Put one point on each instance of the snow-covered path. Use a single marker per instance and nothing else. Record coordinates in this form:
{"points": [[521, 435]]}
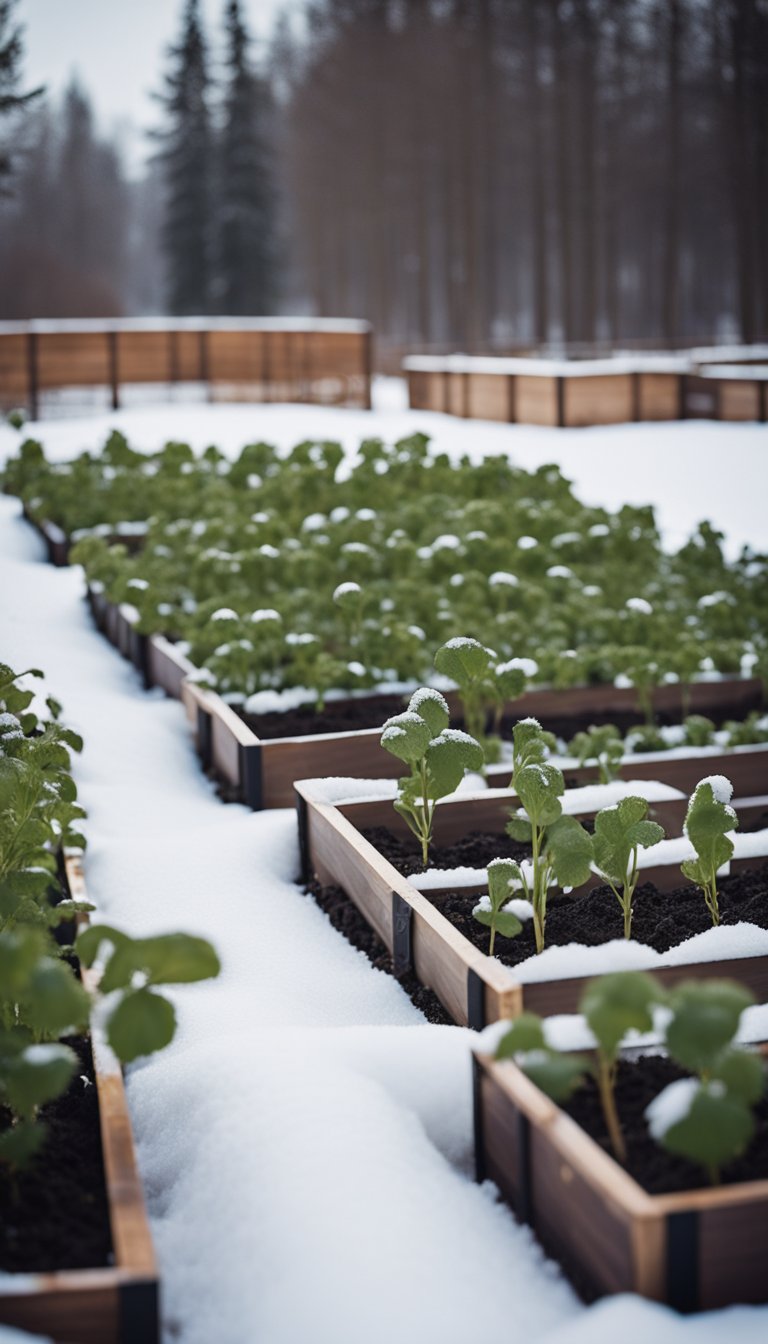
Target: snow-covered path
{"points": [[306, 1140]]}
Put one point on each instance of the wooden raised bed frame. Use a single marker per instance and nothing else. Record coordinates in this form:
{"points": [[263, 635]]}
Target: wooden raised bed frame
{"points": [[474, 988], [116, 1304], [263, 771], [745, 767], [696, 1250]]}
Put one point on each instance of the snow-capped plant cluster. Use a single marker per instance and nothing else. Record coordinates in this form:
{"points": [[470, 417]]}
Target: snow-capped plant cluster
{"points": [[706, 1117], [362, 595]]}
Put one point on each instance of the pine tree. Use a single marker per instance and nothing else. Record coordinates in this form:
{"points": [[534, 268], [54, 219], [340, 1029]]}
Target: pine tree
{"points": [[10, 99], [245, 201], [187, 159]]}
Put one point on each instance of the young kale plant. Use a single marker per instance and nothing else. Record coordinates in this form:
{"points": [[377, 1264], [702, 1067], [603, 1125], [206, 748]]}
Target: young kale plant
{"points": [[601, 744], [562, 848], [619, 832], [503, 874], [437, 756], [708, 1118], [707, 821]]}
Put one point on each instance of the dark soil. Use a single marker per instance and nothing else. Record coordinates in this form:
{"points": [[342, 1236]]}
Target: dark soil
{"points": [[346, 918], [661, 919], [660, 1172], [342, 716], [54, 1214]]}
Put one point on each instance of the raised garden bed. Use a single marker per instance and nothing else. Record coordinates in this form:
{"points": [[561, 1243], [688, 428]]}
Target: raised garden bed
{"points": [[116, 1301], [475, 989], [696, 1249], [261, 770], [746, 767]]}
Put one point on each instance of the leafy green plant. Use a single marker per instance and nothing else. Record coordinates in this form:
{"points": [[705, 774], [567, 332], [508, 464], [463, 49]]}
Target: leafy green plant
{"points": [[437, 755], [555, 1073], [708, 1118], [491, 912], [612, 1006], [751, 732], [699, 731], [707, 821], [620, 831], [141, 1021], [561, 847], [602, 744]]}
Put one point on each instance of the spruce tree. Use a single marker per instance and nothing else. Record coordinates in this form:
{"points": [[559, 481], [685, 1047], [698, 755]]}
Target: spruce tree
{"points": [[10, 99], [245, 197], [187, 160]]}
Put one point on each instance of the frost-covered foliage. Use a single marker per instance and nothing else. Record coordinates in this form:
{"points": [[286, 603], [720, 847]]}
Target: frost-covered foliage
{"points": [[707, 822], [707, 1118], [436, 755], [481, 551]]}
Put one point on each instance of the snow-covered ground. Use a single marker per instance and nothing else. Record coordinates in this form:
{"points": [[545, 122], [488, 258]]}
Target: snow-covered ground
{"points": [[306, 1140], [691, 470]]}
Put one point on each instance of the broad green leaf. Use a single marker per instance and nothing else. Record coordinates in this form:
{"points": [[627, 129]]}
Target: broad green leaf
{"points": [[557, 1075], [432, 707], [406, 736], [618, 1003], [519, 828], [504, 921], [20, 951], [743, 1073], [501, 873], [539, 786], [177, 958], [618, 831], [141, 1023], [705, 1019], [448, 756], [525, 1033], [706, 823], [510, 682], [717, 1128], [54, 1001], [37, 1075], [465, 661], [90, 940], [528, 743], [569, 850]]}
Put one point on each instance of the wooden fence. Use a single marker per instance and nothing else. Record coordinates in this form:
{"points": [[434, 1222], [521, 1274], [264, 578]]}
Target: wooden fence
{"points": [[587, 392], [250, 359]]}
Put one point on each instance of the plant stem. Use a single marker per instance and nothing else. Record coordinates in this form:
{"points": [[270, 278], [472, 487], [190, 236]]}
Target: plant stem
{"points": [[493, 940], [608, 1103]]}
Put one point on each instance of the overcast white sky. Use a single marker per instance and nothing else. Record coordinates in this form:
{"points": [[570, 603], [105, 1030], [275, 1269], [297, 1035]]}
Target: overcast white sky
{"points": [[117, 47]]}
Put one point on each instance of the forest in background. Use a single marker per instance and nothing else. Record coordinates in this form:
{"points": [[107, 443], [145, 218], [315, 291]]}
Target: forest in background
{"points": [[470, 174]]}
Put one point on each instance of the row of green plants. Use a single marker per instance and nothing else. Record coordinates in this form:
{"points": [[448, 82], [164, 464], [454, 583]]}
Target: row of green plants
{"points": [[43, 1000], [274, 570], [604, 746], [563, 852], [707, 1116]]}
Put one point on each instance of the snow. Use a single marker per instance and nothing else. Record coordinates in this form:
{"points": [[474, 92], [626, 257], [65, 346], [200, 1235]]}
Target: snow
{"points": [[593, 797], [548, 368], [724, 943], [671, 1106], [722, 788], [303, 1151]]}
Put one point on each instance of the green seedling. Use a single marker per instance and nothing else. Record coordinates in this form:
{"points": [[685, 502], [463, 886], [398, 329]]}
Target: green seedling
{"points": [[707, 821], [561, 848], [601, 744], [699, 731], [708, 1118], [468, 663], [612, 1006], [619, 832], [437, 755], [502, 874]]}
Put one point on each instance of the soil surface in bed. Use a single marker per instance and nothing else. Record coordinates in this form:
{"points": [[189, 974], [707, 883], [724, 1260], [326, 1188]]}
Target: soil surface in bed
{"points": [[661, 919], [54, 1214], [343, 716], [659, 1172]]}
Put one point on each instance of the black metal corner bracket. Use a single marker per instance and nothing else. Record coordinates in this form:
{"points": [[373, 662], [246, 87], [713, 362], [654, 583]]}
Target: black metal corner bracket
{"points": [[477, 1117], [475, 1001], [402, 929], [139, 1312], [204, 735], [302, 819], [251, 784], [683, 1260]]}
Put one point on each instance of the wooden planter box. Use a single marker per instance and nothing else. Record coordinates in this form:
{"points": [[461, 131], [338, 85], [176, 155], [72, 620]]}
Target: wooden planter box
{"points": [[474, 988], [745, 767], [697, 1250], [116, 1304]]}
